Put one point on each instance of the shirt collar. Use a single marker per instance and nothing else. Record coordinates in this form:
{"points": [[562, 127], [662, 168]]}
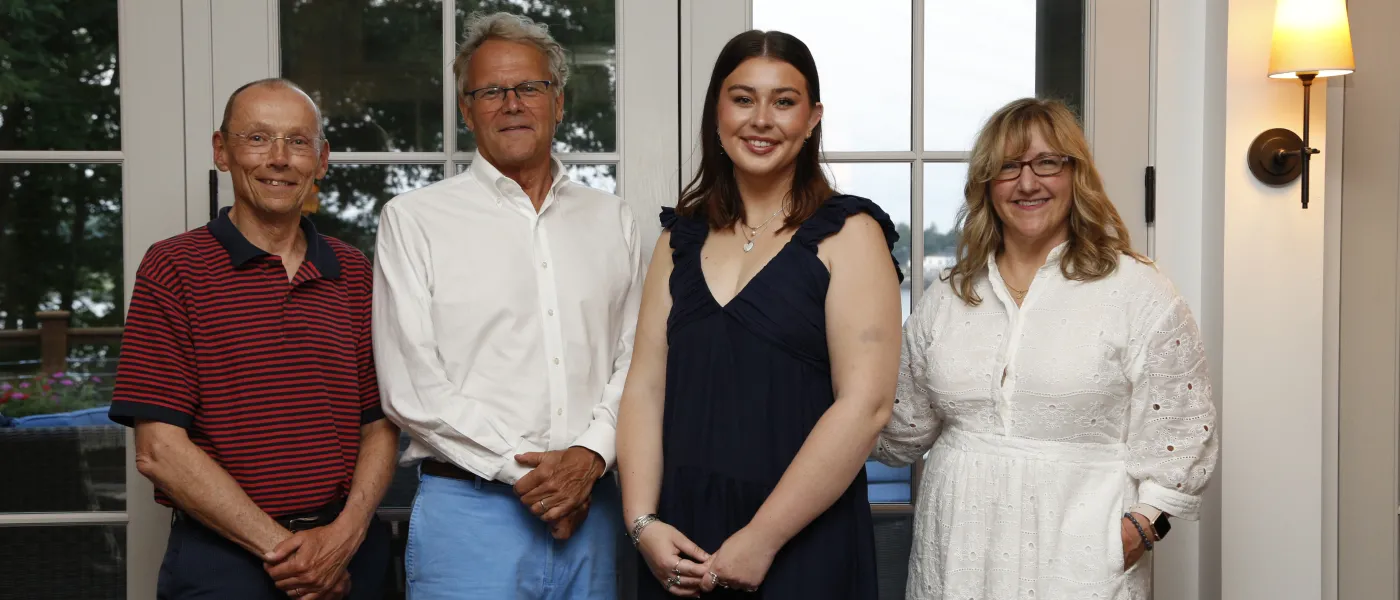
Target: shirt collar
{"points": [[240, 250], [492, 179], [1052, 260]]}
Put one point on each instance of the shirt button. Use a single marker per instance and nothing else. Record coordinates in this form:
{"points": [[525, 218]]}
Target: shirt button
{"points": [[544, 265], [559, 412], [551, 312], [556, 360]]}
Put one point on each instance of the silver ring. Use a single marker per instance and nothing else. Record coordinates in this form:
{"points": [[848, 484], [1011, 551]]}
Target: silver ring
{"points": [[676, 570], [673, 581], [542, 506]]}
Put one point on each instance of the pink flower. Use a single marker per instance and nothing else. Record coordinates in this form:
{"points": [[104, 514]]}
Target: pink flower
{"points": [[97, 379], [58, 375], [5, 387], [24, 385], [18, 396], [67, 382]]}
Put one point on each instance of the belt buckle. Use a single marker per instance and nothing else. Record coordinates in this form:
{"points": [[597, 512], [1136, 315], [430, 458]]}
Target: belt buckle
{"points": [[302, 523]]}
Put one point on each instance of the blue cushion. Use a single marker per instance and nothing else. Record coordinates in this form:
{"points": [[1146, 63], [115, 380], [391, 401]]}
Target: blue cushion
{"points": [[889, 492], [876, 472], [87, 417]]}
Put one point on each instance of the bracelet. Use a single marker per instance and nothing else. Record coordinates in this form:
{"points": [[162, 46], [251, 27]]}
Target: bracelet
{"points": [[641, 523], [1147, 542]]}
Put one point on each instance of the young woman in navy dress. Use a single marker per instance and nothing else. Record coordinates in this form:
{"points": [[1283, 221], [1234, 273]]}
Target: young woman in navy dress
{"points": [[766, 354]]}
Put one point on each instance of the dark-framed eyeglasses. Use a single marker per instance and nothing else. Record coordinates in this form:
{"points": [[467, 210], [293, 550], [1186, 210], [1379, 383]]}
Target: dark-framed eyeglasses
{"points": [[259, 142], [525, 90], [1044, 165]]}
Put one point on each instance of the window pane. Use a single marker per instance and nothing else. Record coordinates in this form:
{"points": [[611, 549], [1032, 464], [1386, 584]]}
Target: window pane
{"points": [[894, 539], [58, 76], [374, 66], [980, 55], [863, 60], [588, 31], [943, 197], [64, 562], [887, 184], [351, 196], [74, 461], [57, 447], [603, 177]]}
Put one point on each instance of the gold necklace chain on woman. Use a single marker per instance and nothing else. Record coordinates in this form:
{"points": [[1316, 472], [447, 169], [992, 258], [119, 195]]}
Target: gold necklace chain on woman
{"points": [[1019, 294]]}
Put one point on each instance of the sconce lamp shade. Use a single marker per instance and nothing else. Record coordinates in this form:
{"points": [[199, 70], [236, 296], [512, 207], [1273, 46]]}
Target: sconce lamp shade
{"points": [[1311, 36]]}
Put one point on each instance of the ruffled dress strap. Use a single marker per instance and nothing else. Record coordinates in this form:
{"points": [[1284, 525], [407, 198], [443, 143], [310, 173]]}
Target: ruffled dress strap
{"points": [[831, 217]]}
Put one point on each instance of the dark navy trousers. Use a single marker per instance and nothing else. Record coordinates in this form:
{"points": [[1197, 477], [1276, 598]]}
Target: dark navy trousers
{"points": [[200, 564]]}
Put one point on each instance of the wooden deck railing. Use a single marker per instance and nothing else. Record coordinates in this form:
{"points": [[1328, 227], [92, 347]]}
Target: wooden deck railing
{"points": [[54, 337]]}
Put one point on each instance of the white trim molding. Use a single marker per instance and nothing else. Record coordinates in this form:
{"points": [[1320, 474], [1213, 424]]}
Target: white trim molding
{"points": [[61, 156], [50, 519]]}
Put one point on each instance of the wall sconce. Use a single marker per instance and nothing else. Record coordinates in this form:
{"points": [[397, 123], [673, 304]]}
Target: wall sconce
{"points": [[1312, 39]]}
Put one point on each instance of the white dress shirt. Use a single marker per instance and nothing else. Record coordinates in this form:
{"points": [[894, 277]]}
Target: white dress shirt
{"points": [[498, 329]]}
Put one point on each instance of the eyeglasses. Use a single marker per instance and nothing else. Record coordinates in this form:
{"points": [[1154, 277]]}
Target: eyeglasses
{"points": [[525, 90], [1044, 165], [261, 143]]}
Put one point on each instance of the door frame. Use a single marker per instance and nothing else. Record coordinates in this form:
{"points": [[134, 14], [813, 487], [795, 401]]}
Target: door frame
{"points": [[1368, 391]]}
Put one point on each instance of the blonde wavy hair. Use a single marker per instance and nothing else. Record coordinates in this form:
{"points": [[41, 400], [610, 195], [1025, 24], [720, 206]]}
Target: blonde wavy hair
{"points": [[1097, 236]]}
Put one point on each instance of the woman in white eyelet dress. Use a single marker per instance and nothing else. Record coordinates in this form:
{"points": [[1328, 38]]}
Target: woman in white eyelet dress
{"points": [[1057, 378]]}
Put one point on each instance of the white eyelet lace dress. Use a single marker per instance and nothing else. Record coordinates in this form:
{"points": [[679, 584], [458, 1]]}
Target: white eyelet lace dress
{"points": [[1045, 423]]}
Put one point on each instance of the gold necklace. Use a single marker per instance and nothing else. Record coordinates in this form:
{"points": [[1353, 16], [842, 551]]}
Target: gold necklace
{"points": [[1018, 294]]}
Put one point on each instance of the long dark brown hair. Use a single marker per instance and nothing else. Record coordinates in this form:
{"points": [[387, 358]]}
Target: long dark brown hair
{"points": [[714, 191]]}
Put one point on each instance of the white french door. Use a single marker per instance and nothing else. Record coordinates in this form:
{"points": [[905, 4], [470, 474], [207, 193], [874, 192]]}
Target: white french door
{"points": [[906, 84], [381, 72]]}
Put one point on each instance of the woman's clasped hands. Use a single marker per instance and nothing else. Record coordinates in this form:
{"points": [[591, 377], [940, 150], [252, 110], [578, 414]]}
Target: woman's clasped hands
{"points": [[687, 571]]}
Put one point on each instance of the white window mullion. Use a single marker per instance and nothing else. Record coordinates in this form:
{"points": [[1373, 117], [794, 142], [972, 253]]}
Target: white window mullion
{"points": [[916, 144], [274, 38], [590, 158], [61, 156], [916, 188], [449, 90], [894, 156], [387, 158], [62, 518]]}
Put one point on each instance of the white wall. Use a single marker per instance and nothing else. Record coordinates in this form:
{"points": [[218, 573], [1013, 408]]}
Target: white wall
{"points": [[1273, 335], [1250, 261]]}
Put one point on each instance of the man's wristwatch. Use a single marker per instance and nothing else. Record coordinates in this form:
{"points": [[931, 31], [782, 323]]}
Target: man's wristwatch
{"points": [[1158, 519]]}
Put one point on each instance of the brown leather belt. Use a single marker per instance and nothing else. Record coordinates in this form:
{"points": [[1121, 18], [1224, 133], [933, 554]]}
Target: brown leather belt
{"points": [[437, 468]]}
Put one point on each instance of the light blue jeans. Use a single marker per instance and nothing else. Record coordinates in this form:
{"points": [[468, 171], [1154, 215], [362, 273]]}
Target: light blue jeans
{"points": [[473, 540]]}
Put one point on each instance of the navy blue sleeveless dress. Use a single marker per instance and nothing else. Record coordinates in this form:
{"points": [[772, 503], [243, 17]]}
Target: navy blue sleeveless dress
{"points": [[745, 384]]}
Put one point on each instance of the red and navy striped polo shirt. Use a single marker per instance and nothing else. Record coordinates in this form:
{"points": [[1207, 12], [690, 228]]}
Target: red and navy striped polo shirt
{"points": [[271, 378]]}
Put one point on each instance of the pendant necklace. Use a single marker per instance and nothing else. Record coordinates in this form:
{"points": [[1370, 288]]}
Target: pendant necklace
{"points": [[753, 236]]}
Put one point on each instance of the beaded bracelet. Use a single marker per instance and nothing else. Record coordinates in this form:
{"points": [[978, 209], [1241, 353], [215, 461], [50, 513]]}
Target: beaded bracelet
{"points": [[1147, 542]]}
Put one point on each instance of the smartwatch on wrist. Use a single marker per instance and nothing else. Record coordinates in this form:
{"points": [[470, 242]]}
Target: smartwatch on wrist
{"points": [[1158, 519]]}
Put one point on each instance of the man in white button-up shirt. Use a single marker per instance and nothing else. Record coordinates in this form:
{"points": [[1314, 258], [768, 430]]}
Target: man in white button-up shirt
{"points": [[505, 304]]}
